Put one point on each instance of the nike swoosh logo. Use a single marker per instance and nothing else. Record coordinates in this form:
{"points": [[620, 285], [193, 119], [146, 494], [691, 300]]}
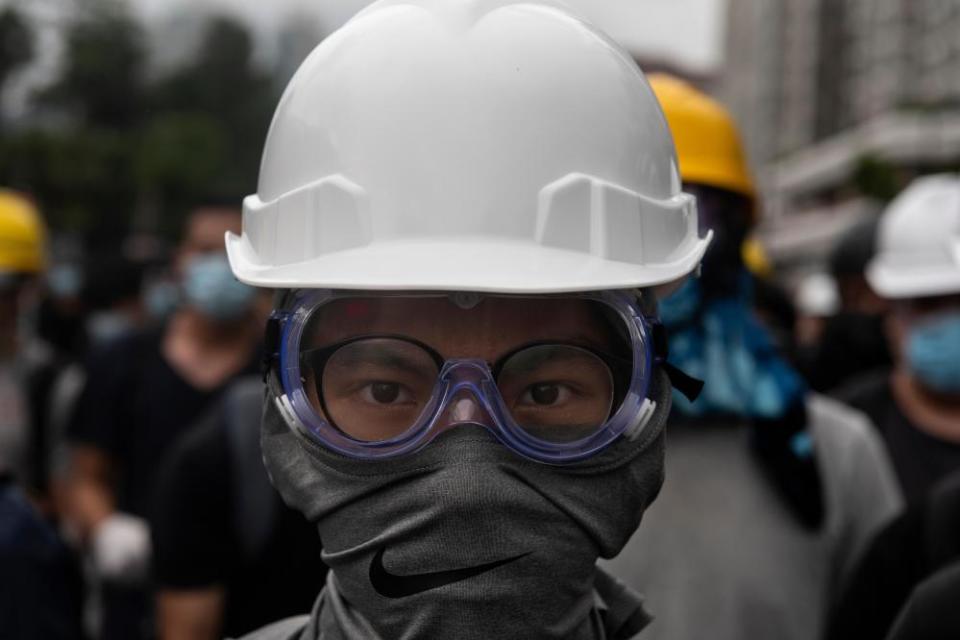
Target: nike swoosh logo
{"points": [[393, 586]]}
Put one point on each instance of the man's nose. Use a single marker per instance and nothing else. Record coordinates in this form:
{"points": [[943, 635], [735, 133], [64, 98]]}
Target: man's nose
{"points": [[465, 406]]}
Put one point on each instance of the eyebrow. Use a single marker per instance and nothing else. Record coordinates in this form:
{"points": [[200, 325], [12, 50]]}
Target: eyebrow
{"points": [[379, 357], [533, 359]]}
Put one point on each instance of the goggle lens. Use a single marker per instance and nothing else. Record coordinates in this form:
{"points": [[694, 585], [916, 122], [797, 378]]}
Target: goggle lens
{"points": [[556, 393], [374, 389]]}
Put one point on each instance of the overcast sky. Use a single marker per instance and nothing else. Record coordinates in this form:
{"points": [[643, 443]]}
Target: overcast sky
{"points": [[688, 32]]}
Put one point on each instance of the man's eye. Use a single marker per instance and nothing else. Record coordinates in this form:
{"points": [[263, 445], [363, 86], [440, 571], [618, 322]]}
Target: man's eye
{"points": [[386, 393], [545, 394]]}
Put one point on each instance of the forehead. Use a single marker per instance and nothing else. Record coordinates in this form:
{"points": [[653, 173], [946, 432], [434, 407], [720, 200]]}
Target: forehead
{"points": [[494, 322], [207, 226]]}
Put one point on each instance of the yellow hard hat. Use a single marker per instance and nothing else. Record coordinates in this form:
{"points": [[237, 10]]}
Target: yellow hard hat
{"points": [[707, 140], [755, 257], [22, 234]]}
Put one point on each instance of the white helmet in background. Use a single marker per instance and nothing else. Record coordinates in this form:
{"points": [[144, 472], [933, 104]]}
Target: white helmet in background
{"points": [[918, 246], [472, 145], [817, 295]]}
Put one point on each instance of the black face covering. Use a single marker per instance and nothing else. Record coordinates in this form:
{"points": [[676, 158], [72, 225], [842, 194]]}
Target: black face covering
{"points": [[728, 214], [465, 539], [852, 344]]}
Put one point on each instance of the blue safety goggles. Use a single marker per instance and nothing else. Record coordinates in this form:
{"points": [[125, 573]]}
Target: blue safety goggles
{"points": [[365, 376]]}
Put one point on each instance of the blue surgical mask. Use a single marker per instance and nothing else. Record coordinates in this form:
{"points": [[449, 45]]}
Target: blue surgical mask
{"points": [[106, 326], [210, 287], [160, 298], [933, 352], [65, 281]]}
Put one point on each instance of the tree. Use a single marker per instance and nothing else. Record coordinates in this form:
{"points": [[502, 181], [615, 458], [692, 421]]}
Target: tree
{"points": [[16, 43], [103, 75], [222, 83]]}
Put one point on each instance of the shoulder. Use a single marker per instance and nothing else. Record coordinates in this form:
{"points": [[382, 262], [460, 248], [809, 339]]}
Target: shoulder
{"points": [[203, 446], [289, 629], [835, 423], [866, 391], [853, 458], [129, 348], [931, 611]]}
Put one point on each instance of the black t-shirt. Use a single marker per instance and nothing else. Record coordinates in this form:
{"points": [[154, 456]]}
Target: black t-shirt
{"points": [[920, 460], [932, 612], [40, 590], [134, 407], [195, 529], [922, 540]]}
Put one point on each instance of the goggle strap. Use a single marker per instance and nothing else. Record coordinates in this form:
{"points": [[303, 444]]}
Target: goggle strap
{"points": [[646, 412], [689, 386], [271, 345]]}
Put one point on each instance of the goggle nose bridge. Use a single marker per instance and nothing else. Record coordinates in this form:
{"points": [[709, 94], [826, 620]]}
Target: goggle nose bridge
{"points": [[468, 383], [456, 370]]}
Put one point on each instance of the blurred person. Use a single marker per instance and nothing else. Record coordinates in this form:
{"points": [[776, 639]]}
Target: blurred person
{"points": [[817, 301], [60, 318], [911, 555], [465, 392], [916, 404], [103, 304], [39, 595], [142, 391], [112, 297], [39, 579], [230, 557], [770, 491], [22, 261], [851, 342], [931, 613], [161, 296], [772, 305]]}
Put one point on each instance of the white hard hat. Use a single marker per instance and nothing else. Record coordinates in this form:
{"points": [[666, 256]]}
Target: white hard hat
{"points": [[918, 247], [472, 145]]}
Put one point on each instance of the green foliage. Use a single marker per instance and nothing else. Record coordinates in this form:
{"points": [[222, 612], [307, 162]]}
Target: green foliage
{"points": [[181, 152], [102, 79], [82, 177], [876, 178], [16, 43], [222, 83], [131, 144]]}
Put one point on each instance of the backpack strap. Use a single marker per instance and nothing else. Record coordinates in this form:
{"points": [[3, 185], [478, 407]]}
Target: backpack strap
{"points": [[256, 503]]}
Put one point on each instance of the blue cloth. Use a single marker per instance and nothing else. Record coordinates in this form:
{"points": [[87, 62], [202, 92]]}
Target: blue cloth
{"points": [[39, 586], [721, 342]]}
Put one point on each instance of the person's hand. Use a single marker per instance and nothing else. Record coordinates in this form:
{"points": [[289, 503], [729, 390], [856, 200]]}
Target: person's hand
{"points": [[89, 507], [120, 549]]}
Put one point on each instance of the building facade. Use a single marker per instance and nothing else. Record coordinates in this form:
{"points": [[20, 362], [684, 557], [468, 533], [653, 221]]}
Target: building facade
{"points": [[827, 91]]}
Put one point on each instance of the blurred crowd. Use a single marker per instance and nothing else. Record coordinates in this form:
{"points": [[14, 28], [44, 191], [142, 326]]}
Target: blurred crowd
{"points": [[130, 451], [812, 491], [827, 439]]}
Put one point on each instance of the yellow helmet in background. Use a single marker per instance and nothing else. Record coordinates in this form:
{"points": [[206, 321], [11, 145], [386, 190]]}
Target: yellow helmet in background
{"points": [[755, 257], [22, 235], [708, 143]]}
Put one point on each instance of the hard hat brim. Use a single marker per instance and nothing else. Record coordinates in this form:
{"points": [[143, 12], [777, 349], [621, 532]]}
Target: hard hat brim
{"points": [[460, 265], [897, 281]]}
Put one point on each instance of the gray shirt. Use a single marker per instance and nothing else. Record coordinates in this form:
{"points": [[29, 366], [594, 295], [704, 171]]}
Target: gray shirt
{"points": [[718, 554]]}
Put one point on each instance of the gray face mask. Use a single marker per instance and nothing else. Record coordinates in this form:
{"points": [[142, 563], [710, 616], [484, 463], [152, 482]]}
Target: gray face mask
{"points": [[465, 539]]}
